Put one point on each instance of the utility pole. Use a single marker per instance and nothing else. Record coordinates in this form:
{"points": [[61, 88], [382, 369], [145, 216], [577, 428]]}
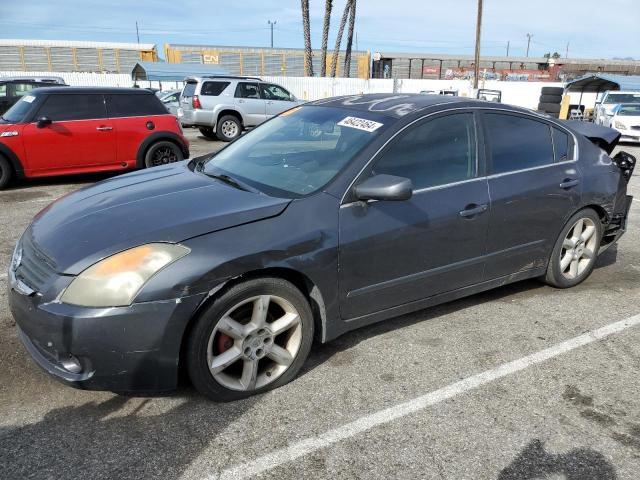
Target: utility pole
{"points": [[477, 52], [137, 33], [508, 42], [272, 24], [529, 37], [357, 42], [566, 52]]}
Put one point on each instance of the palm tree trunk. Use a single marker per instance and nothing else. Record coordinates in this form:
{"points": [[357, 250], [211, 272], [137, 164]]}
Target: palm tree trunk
{"points": [[306, 27], [347, 55], [336, 51], [325, 36]]}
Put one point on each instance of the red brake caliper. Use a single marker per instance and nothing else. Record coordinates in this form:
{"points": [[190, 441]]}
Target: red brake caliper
{"points": [[225, 342]]}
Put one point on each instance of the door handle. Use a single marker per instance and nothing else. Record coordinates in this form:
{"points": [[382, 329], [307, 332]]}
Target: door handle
{"points": [[473, 209], [569, 182], [240, 101], [104, 128]]}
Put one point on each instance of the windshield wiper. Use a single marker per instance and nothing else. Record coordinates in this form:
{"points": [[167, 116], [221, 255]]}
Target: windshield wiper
{"points": [[232, 181]]}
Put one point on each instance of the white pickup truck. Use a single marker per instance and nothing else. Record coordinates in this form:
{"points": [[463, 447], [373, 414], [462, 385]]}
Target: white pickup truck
{"points": [[604, 107]]}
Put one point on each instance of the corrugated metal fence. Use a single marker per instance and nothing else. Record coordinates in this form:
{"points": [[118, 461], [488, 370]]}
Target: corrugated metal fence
{"points": [[524, 94]]}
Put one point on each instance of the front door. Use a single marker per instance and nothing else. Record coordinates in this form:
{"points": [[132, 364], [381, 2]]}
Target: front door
{"points": [[79, 136], [534, 184], [394, 253], [250, 103], [278, 99]]}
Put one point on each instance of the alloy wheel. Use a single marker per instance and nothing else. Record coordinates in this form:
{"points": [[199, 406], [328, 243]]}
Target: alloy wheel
{"points": [[164, 155], [254, 343], [578, 248]]}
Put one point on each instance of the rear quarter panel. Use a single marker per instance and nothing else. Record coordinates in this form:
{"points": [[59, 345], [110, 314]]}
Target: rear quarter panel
{"points": [[132, 131]]}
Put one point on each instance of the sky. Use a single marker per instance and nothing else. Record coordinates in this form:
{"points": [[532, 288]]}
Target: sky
{"points": [[427, 26]]}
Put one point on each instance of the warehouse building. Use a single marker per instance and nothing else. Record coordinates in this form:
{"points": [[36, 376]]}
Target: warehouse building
{"points": [[263, 61], [73, 56]]}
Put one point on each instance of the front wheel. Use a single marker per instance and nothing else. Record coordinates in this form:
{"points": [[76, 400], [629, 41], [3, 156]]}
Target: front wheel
{"points": [[252, 339], [6, 172], [162, 153], [576, 250]]}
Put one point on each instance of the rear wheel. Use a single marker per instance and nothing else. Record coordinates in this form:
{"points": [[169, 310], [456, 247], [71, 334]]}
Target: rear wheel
{"points": [[252, 339], [228, 128], [576, 250], [208, 133], [6, 172], [162, 153]]}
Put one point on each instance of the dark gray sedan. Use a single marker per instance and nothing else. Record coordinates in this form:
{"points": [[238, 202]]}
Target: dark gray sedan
{"points": [[329, 217]]}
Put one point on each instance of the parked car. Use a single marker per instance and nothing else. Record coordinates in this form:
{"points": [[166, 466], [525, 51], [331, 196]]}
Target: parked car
{"points": [[171, 100], [228, 265], [222, 107], [13, 88], [626, 119], [62, 131], [604, 107]]}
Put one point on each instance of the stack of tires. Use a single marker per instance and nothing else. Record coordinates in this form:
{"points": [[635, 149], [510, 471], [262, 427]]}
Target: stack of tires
{"points": [[550, 99]]}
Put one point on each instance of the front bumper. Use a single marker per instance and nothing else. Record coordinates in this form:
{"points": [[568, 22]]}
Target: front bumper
{"points": [[123, 349]]}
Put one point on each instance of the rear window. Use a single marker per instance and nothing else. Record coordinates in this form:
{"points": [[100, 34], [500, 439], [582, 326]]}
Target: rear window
{"points": [[213, 88], [120, 105], [189, 90], [72, 107]]}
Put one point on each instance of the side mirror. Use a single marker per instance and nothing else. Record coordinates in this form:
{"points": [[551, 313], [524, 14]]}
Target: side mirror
{"points": [[384, 187], [43, 121]]}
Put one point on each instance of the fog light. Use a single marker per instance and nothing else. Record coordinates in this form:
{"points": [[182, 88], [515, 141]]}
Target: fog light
{"points": [[71, 364]]}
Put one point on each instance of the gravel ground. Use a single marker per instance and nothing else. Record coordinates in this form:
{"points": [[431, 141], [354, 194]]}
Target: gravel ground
{"points": [[574, 416]]}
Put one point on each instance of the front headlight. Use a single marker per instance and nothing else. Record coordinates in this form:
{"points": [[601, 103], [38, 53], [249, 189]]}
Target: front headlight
{"points": [[116, 280], [619, 125]]}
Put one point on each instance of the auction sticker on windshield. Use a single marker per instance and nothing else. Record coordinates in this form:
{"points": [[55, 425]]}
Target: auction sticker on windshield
{"points": [[360, 124]]}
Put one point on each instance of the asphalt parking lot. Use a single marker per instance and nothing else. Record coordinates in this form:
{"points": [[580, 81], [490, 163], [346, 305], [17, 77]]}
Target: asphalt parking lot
{"points": [[458, 391]]}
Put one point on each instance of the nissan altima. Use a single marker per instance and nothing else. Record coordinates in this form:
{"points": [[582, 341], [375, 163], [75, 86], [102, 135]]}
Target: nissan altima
{"points": [[334, 215]]}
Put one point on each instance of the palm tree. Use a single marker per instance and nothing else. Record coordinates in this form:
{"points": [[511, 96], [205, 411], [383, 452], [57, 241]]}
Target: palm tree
{"points": [[347, 55], [343, 22], [306, 27], [328, 6]]}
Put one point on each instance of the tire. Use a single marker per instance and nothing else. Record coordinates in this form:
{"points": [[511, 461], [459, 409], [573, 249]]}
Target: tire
{"points": [[549, 107], [229, 127], [6, 172], [162, 153], [253, 346], [561, 274], [208, 132], [552, 91], [550, 98]]}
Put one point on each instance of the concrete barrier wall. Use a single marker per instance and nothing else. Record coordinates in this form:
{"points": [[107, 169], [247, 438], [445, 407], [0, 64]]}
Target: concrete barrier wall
{"points": [[524, 94]]}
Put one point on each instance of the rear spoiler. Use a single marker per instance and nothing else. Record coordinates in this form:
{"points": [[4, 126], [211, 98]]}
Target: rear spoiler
{"points": [[604, 137]]}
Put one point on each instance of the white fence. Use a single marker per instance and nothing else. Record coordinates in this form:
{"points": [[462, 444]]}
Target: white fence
{"points": [[524, 94]]}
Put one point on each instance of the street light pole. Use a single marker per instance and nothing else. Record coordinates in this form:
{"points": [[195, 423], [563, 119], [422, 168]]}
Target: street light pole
{"points": [[477, 52], [529, 36], [272, 25]]}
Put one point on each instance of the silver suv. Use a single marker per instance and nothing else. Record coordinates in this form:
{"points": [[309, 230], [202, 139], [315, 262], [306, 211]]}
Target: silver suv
{"points": [[222, 107]]}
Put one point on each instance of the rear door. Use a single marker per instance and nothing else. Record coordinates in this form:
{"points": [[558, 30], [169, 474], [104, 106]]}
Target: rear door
{"points": [[79, 137], [534, 184], [250, 103], [277, 99]]}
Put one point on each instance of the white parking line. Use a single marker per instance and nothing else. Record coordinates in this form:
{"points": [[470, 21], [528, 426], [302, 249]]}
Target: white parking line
{"points": [[312, 444]]}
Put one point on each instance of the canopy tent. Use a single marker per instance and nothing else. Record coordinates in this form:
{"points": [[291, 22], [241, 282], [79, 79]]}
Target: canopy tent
{"points": [[173, 72], [599, 82]]}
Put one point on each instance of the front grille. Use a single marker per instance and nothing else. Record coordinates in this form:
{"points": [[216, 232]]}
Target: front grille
{"points": [[36, 268]]}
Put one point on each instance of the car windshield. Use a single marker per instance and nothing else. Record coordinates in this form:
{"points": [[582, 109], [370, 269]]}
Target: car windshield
{"points": [[629, 110], [19, 109], [622, 98], [298, 152]]}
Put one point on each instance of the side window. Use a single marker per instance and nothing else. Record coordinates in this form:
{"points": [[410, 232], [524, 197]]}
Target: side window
{"points": [[275, 92], [3, 89], [20, 89], [134, 105], [247, 90], [561, 145], [517, 143], [72, 107], [213, 88], [437, 152]]}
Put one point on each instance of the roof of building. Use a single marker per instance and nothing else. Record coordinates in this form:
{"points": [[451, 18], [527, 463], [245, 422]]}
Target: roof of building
{"points": [[599, 82], [173, 72], [75, 44]]}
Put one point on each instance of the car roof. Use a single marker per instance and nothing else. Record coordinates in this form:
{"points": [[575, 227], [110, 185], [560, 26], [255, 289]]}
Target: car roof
{"points": [[86, 90], [221, 77], [401, 104]]}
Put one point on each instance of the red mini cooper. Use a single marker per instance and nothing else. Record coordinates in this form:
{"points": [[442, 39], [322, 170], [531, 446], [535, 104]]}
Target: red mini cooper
{"points": [[62, 131]]}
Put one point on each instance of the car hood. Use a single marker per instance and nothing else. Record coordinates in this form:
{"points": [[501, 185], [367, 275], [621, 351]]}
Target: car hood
{"points": [[628, 119], [161, 204]]}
